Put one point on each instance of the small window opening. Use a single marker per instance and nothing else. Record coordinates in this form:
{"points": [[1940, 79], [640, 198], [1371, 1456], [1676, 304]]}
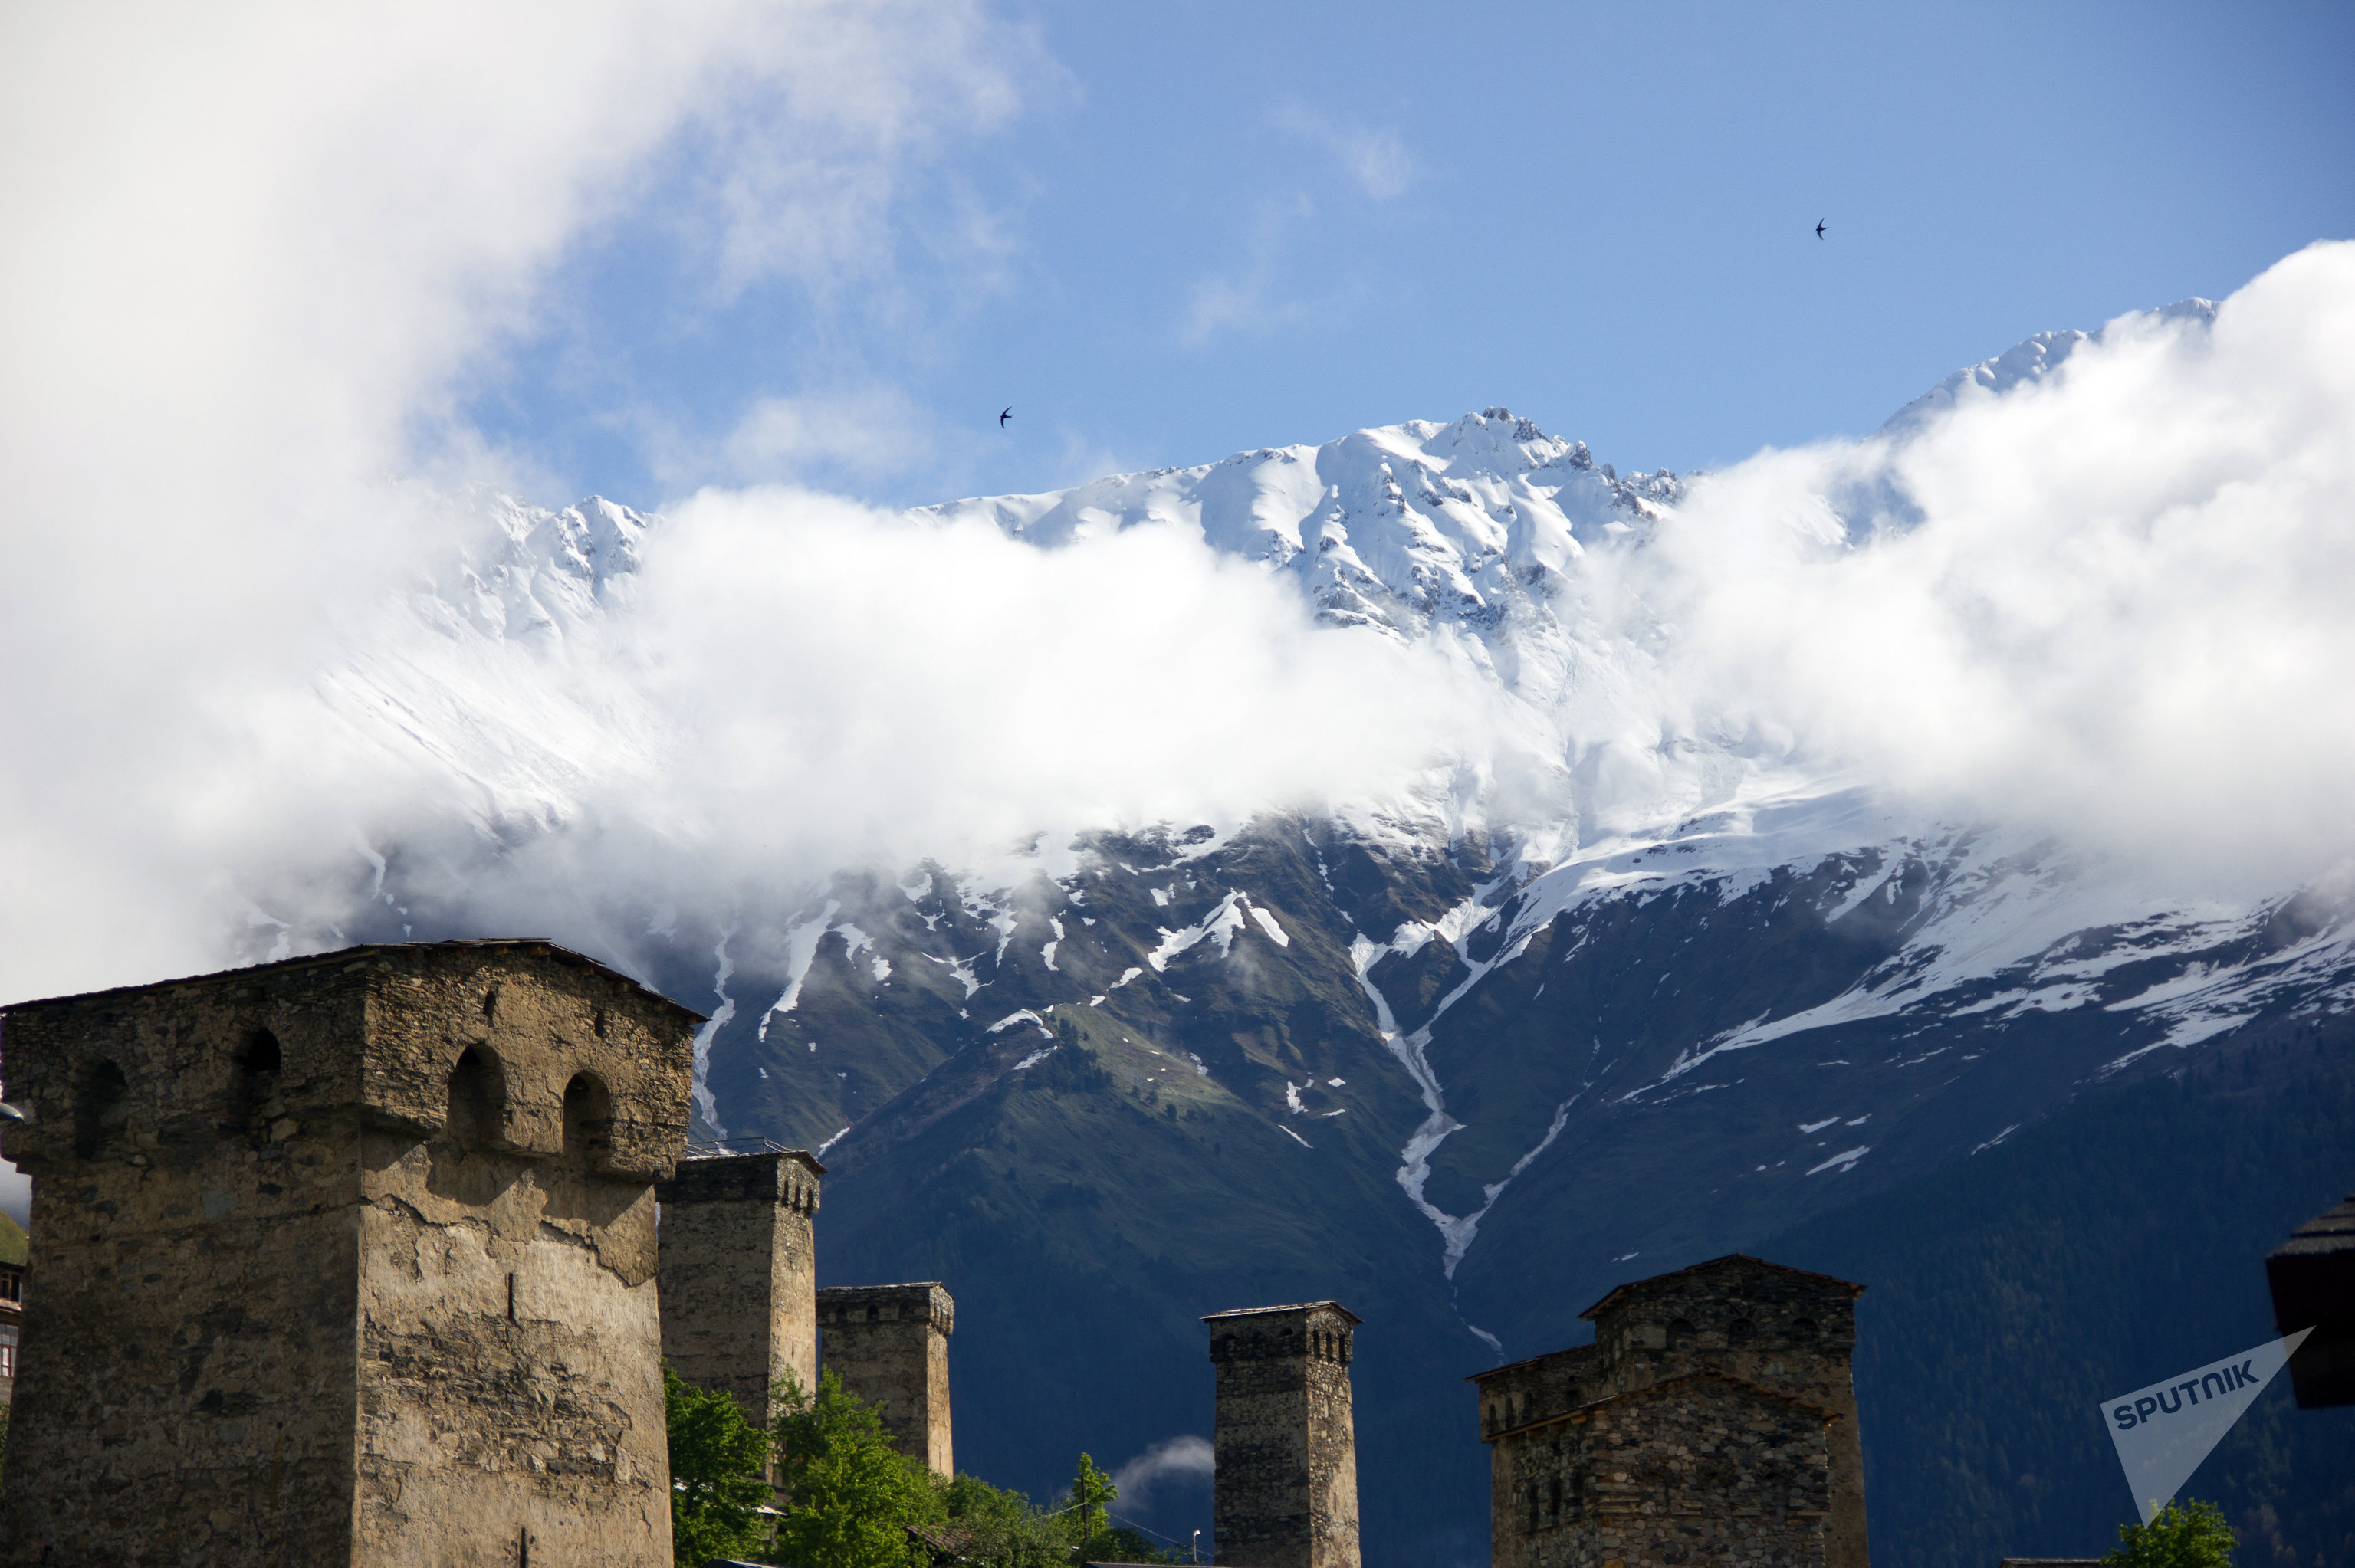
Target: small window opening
{"points": [[100, 1110], [491, 1005], [1740, 1331], [477, 1098], [1682, 1335], [260, 1055], [1803, 1327], [588, 1122], [1553, 1501], [259, 1060]]}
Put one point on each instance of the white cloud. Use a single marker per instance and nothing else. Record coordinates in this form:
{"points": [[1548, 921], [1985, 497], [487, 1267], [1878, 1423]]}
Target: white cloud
{"points": [[252, 250], [794, 683], [1374, 160], [1186, 1458], [2112, 604], [863, 431], [247, 263], [1249, 298]]}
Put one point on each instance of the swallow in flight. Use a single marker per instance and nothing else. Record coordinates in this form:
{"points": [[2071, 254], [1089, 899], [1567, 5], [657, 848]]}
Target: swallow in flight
{"points": [[1820, 229], [1006, 415]]}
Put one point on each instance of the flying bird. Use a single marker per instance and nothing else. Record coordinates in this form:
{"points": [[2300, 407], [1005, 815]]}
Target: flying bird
{"points": [[1006, 415], [1820, 229]]}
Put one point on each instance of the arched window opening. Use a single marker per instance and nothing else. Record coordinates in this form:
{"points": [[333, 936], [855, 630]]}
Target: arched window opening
{"points": [[1740, 1331], [254, 1084], [1682, 1335], [588, 1122], [491, 1005], [100, 1108], [1803, 1327], [477, 1098], [1553, 1501], [261, 1053]]}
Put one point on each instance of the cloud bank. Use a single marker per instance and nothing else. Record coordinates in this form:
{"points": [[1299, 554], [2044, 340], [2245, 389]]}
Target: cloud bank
{"points": [[256, 254], [256, 259], [2112, 604]]}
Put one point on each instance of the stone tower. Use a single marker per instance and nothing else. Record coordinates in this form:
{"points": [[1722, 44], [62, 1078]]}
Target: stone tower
{"points": [[1777, 1342], [1287, 1480], [739, 1273], [346, 1260], [889, 1346]]}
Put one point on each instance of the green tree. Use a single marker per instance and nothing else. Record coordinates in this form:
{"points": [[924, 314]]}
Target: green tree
{"points": [[849, 1494], [716, 1459], [1092, 1489], [1000, 1528], [2184, 1535]]}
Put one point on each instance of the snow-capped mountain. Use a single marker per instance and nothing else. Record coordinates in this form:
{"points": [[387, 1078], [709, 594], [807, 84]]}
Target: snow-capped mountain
{"points": [[1615, 989]]}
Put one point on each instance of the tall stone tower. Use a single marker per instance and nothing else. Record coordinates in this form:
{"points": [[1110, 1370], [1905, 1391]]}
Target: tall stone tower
{"points": [[739, 1273], [1287, 1481], [1783, 1329], [1582, 1442], [346, 1260], [889, 1346]]}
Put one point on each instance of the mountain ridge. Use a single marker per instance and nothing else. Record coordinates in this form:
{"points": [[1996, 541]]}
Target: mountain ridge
{"points": [[1613, 990]]}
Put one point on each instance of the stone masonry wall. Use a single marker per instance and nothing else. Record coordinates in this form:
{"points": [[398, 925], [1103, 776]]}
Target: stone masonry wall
{"points": [[1287, 1480], [1781, 1328], [296, 1305], [739, 1275], [1539, 1388], [1698, 1469], [889, 1346]]}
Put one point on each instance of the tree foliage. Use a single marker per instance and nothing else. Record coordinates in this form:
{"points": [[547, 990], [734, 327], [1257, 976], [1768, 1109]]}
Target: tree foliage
{"points": [[2184, 1535], [716, 1459], [1092, 1492], [849, 1497]]}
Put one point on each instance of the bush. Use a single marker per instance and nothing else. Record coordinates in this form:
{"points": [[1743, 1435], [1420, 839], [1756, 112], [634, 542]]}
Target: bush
{"points": [[849, 1496], [716, 1457], [2186, 1535]]}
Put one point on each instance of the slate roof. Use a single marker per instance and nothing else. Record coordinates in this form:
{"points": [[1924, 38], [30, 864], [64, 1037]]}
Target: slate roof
{"points": [[1851, 1286], [539, 946]]}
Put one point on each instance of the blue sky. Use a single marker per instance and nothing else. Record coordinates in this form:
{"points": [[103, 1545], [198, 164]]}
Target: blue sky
{"points": [[1198, 228]]}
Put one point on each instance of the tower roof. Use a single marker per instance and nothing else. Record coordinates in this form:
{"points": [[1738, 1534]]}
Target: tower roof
{"points": [[1733, 1257], [1277, 1312], [536, 947]]}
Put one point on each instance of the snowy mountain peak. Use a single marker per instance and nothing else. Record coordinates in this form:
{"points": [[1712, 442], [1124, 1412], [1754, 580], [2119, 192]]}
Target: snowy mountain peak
{"points": [[1398, 528], [525, 571], [2026, 363]]}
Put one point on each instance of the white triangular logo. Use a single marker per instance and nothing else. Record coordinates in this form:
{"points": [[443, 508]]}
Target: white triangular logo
{"points": [[2163, 1431]]}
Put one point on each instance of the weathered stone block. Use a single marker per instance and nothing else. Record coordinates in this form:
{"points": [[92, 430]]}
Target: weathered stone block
{"points": [[346, 1260], [1285, 1492], [889, 1346], [739, 1275], [1784, 1331]]}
